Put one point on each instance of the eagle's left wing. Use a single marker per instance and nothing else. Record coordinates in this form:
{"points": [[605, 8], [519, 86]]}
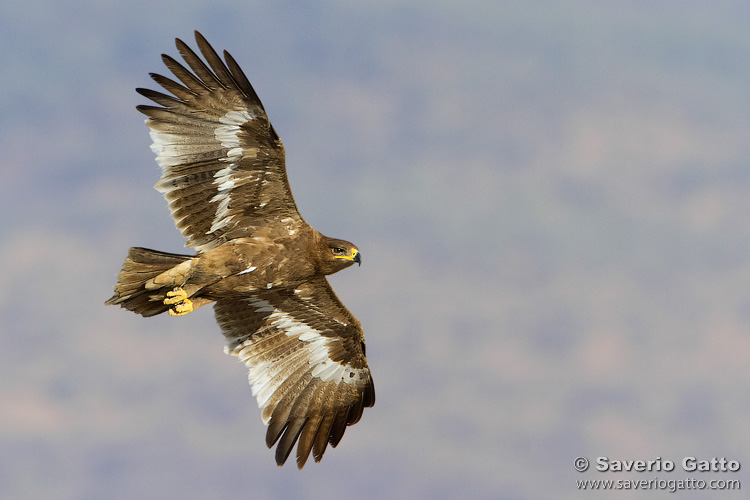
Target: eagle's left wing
{"points": [[306, 356]]}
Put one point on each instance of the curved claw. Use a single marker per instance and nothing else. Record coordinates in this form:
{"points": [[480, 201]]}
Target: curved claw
{"points": [[179, 302], [175, 296]]}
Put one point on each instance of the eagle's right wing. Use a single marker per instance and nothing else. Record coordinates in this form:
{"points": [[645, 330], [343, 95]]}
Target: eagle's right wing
{"points": [[223, 170]]}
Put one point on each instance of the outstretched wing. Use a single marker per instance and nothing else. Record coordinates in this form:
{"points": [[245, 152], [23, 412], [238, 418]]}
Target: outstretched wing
{"points": [[306, 356], [222, 163]]}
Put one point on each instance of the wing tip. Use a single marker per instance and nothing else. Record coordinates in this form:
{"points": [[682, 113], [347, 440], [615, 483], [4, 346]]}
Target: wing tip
{"points": [[199, 38], [292, 431]]}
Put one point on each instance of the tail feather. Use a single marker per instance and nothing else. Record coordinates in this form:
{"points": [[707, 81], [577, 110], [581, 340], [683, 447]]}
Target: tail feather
{"points": [[139, 267]]}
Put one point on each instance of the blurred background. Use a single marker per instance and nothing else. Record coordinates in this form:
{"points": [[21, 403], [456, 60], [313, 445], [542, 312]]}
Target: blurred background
{"points": [[552, 203]]}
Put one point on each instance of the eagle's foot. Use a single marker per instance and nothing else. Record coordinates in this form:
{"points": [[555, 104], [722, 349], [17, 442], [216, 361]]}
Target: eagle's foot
{"points": [[179, 302]]}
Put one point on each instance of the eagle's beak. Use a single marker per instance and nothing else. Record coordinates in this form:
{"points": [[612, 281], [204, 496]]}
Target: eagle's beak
{"points": [[354, 257]]}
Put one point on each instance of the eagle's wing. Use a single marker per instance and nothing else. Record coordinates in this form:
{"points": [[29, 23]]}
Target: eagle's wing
{"points": [[222, 163], [306, 356]]}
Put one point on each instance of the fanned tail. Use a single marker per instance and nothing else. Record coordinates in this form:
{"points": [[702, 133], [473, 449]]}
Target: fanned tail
{"points": [[140, 266]]}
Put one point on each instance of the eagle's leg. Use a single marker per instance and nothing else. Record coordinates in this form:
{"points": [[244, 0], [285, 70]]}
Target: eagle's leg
{"points": [[176, 296], [179, 302]]}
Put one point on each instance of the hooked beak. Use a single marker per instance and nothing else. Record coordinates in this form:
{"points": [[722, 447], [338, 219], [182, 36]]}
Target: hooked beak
{"points": [[354, 257]]}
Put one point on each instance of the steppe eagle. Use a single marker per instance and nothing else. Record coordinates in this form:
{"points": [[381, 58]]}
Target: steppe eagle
{"points": [[263, 266]]}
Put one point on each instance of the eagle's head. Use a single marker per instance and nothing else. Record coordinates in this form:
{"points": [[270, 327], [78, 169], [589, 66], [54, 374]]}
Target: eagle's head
{"points": [[338, 255]]}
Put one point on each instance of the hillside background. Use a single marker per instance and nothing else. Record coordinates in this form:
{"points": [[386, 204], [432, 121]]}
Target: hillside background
{"points": [[552, 203]]}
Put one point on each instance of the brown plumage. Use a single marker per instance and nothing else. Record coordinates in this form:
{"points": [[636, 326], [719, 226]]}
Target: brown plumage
{"points": [[261, 264]]}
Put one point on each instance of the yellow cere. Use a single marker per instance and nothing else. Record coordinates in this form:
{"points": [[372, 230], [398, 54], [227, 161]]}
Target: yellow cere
{"points": [[348, 257]]}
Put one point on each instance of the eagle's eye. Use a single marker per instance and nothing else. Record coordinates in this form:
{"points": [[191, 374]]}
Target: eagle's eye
{"points": [[338, 250]]}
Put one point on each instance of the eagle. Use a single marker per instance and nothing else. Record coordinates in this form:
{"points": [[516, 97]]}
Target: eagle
{"points": [[262, 266]]}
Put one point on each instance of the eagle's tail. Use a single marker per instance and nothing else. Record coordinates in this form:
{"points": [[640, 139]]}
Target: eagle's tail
{"points": [[140, 266]]}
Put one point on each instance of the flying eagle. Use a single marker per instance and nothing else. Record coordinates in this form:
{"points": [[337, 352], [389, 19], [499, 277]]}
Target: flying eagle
{"points": [[261, 264]]}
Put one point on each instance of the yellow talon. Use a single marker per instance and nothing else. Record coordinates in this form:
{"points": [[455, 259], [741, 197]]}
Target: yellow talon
{"points": [[177, 298], [184, 307]]}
